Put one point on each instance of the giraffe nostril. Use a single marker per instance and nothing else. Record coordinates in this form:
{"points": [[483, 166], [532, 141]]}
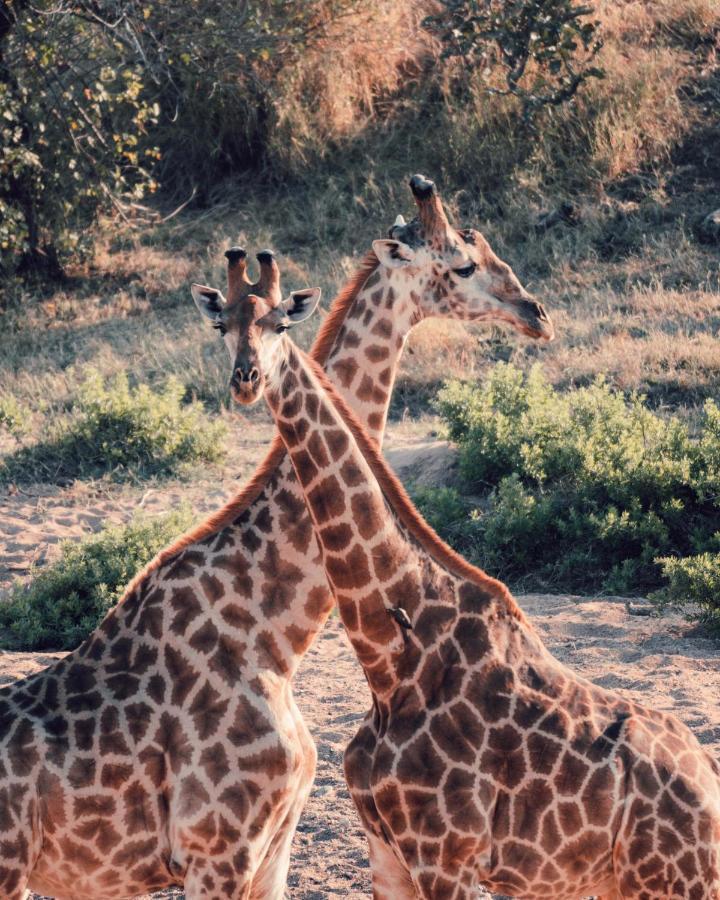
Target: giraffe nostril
{"points": [[251, 376]]}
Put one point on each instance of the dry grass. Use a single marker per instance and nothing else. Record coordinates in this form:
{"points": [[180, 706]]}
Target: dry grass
{"points": [[633, 296], [647, 321]]}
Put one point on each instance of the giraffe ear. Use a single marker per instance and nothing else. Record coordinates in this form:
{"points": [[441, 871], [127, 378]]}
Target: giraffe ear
{"points": [[393, 254], [300, 305], [209, 301]]}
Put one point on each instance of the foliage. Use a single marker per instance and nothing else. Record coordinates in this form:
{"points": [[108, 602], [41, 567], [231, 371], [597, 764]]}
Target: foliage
{"points": [[219, 69], [445, 510], [328, 100], [67, 599], [114, 428], [73, 116], [694, 583], [13, 417], [545, 47], [101, 100], [580, 490], [139, 427]]}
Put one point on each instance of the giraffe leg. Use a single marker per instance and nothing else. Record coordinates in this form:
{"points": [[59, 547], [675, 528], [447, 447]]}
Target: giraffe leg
{"points": [[202, 881], [270, 881], [390, 879]]}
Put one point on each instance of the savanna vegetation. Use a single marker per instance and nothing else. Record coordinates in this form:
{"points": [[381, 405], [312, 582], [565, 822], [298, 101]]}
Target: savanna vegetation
{"points": [[66, 600], [118, 430], [139, 141], [580, 489]]}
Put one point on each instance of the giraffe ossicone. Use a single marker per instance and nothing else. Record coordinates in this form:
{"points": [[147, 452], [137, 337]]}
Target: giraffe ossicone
{"points": [[484, 760]]}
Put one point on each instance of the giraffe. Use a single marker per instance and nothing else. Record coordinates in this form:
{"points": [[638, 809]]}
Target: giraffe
{"points": [[168, 749], [484, 760], [143, 759]]}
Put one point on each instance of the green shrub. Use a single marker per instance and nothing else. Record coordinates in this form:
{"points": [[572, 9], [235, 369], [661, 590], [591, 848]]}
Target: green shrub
{"points": [[142, 428], [73, 116], [116, 429], [13, 417], [445, 511], [693, 582], [582, 490], [67, 599]]}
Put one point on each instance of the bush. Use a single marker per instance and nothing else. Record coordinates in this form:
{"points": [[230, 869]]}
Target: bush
{"points": [[140, 428], [545, 47], [13, 418], [73, 116], [693, 582], [104, 101], [116, 429], [582, 490], [66, 600], [445, 511]]}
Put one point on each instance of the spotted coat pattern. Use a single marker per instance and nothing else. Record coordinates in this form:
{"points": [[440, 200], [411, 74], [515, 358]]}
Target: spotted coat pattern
{"points": [[168, 748], [484, 760]]}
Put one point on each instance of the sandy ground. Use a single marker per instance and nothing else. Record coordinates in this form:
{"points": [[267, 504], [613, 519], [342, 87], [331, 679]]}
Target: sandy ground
{"points": [[35, 519], [661, 662]]}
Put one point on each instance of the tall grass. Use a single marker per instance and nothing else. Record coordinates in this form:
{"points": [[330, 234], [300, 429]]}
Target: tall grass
{"points": [[368, 96]]}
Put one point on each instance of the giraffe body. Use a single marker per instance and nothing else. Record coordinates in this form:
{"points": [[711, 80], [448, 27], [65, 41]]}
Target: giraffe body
{"points": [[484, 760], [171, 782], [168, 748]]}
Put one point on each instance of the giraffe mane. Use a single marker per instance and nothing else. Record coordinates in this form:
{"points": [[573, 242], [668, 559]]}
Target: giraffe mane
{"points": [[401, 504], [322, 345], [325, 338]]}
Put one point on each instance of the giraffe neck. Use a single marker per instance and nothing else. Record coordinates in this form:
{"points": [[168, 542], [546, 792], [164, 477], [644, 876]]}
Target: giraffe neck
{"points": [[377, 555], [258, 553], [364, 554], [363, 360]]}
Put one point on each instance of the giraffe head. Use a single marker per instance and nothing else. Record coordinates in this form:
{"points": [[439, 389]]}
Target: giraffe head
{"points": [[232, 316], [453, 272], [253, 321]]}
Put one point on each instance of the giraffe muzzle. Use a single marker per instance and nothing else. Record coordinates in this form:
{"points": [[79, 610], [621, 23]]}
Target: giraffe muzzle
{"points": [[246, 385], [536, 322], [242, 375]]}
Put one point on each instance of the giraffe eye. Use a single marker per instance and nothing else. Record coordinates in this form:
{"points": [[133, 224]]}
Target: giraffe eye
{"points": [[466, 271], [279, 329], [220, 326]]}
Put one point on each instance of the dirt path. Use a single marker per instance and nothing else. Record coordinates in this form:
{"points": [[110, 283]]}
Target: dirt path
{"points": [[661, 662]]}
